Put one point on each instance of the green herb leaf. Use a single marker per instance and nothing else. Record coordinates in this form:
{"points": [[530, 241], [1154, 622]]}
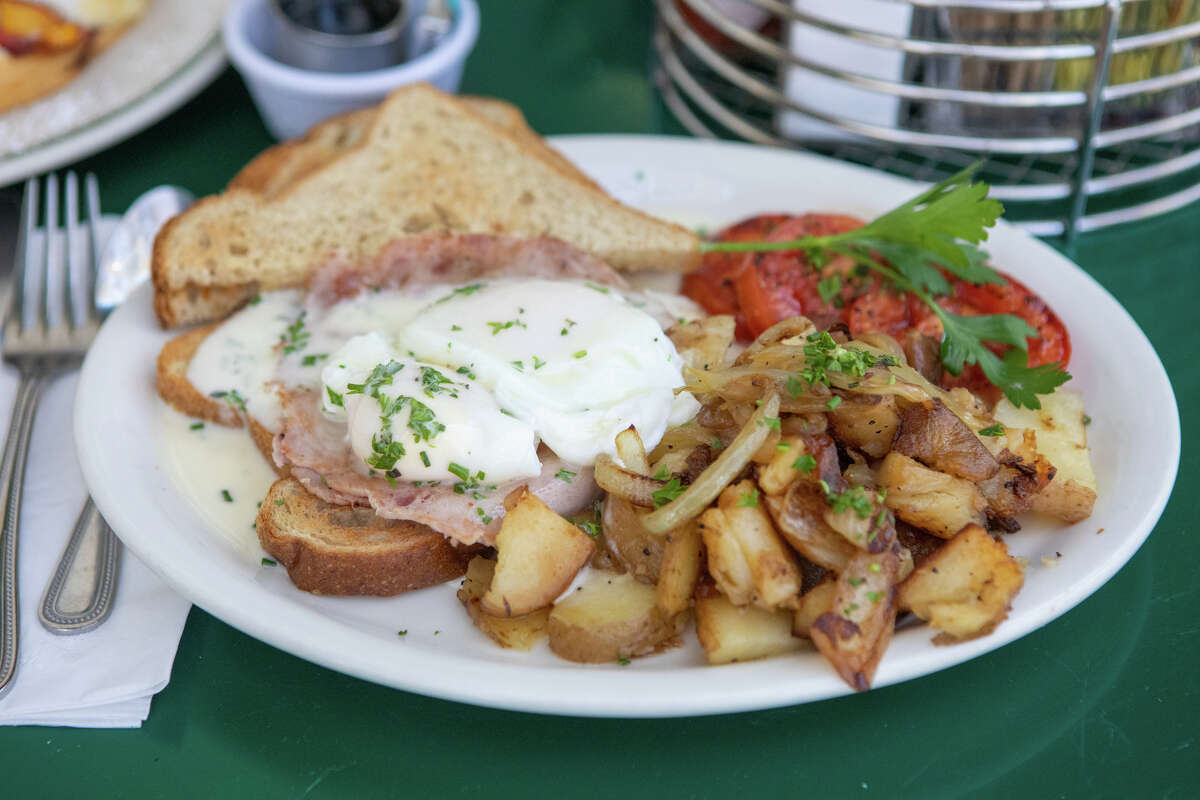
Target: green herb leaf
{"points": [[565, 475], [749, 499], [992, 430], [462, 291], [667, 493], [805, 463]]}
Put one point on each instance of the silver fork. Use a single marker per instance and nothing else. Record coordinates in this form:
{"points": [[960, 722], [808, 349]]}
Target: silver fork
{"points": [[49, 327]]}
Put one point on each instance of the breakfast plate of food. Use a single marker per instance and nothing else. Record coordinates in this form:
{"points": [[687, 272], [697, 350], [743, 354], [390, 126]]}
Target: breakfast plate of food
{"points": [[618, 425], [78, 75]]}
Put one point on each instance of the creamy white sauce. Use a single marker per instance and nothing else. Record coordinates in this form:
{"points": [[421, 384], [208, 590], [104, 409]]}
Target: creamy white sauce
{"points": [[210, 460], [239, 357]]}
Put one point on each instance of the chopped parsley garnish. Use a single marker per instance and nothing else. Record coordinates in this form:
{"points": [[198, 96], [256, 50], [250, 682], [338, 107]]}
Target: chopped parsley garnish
{"points": [[822, 355], [434, 382], [520, 365], [874, 567], [667, 493], [623, 661], [462, 291], [749, 499], [596, 287], [335, 398], [269, 562], [592, 529], [662, 474], [195, 426], [850, 609], [834, 402], [232, 397], [565, 475], [579, 353], [783, 447], [385, 451], [854, 498], [483, 517], [717, 444], [773, 423], [379, 377], [455, 327], [425, 458], [312, 359], [874, 597], [992, 430], [295, 338], [805, 463], [402, 633], [856, 581], [226, 496], [1087, 420], [422, 421], [503, 326], [794, 387], [253, 301], [538, 363], [466, 481], [570, 323], [466, 371]]}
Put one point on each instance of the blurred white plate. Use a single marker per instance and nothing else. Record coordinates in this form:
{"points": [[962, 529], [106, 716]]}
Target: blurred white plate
{"points": [[157, 65], [1134, 439]]}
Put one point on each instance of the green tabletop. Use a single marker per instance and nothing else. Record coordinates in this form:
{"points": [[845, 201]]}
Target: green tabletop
{"points": [[1103, 702]]}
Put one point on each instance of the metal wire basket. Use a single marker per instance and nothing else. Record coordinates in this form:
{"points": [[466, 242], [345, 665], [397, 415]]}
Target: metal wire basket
{"points": [[1086, 111]]}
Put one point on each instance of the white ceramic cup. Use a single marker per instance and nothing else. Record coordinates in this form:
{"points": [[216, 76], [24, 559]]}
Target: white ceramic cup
{"points": [[292, 100]]}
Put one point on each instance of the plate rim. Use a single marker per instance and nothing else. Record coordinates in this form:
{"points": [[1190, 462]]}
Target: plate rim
{"points": [[464, 679], [90, 138]]}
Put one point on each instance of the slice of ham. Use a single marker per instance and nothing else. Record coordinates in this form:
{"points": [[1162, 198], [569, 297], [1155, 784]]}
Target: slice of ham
{"points": [[444, 258], [316, 451]]}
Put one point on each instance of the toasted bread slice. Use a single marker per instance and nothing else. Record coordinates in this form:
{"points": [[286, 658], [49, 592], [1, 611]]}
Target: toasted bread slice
{"points": [[428, 162], [175, 388], [341, 550], [277, 168]]}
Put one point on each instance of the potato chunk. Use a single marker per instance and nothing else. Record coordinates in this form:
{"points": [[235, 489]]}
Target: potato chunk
{"points": [[813, 603], [681, 563], [965, 588], [538, 555], [941, 504], [867, 423], [1062, 440], [746, 557], [608, 618], [517, 633], [729, 633]]}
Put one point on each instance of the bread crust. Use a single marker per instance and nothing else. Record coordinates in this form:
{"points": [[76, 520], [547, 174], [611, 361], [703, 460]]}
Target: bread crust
{"points": [[337, 550]]}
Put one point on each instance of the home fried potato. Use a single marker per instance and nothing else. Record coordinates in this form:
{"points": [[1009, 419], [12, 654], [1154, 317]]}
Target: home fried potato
{"points": [[813, 603], [703, 343], [867, 422], [965, 588], [939, 503], [538, 555], [729, 633], [517, 633], [632, 452], [638, 551], [1062, 440], [854, 633], [746, 557], [609, 617], [680, 570]]}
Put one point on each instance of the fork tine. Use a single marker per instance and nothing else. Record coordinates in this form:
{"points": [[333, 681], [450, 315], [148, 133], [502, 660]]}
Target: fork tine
{"points": [[52, 250], [92, 188], [75, 263], [29, 206]]}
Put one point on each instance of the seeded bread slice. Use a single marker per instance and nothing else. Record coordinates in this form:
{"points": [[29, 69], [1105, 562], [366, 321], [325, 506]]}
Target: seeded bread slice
{"points": [[342, 550], [427, 162]]}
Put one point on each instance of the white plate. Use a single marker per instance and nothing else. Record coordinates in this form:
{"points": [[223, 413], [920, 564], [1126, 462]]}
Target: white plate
{"points": [[159, 64], [1134, 440]]}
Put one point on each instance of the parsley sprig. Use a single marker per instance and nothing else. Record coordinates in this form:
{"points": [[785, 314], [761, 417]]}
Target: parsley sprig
{"points": [[939, 228]]}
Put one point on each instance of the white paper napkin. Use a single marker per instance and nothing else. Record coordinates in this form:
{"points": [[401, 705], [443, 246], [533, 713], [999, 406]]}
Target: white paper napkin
{"points": [[104, 678]]}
